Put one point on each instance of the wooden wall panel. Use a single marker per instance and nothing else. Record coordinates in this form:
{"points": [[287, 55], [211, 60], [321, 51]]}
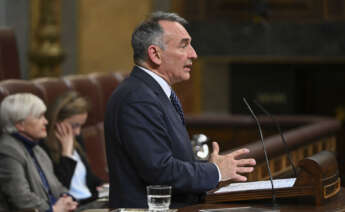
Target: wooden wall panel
{"points": [[105, 30]]}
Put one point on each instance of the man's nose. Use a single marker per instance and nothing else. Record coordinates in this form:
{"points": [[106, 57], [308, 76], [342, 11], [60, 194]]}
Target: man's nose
{"points": [[193, 54]]}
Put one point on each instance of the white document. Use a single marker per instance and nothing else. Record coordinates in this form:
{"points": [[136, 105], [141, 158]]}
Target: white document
{"points": [[258, 185], [103, 191]]}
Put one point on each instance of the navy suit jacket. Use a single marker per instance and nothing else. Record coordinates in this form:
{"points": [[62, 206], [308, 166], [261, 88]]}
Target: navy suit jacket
{"points": [[147, 144]]}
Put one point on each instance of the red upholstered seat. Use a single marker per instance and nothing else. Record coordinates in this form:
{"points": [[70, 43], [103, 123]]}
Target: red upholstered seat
{"points": [[51, 88], [12, 86], [92, 91], [9, 59]]}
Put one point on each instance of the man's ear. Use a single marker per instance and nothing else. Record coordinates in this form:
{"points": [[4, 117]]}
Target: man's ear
{"points": [[154, 54]]}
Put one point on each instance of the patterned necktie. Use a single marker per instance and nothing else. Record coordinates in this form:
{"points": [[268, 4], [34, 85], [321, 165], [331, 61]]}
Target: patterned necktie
{"points": [[177, 105]]}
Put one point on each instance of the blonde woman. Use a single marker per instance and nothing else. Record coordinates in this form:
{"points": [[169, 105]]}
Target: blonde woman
{"points": [[65, 147]]}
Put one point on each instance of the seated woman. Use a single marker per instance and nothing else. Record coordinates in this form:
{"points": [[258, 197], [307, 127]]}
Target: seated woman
{"points": [[27, 177], [65, 147]]}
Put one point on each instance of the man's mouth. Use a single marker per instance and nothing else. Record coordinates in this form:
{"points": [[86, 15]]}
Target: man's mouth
{"points": [[189, 66]]}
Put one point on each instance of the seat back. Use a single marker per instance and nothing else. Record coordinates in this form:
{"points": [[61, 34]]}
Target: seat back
{"points": [[9, 59]]}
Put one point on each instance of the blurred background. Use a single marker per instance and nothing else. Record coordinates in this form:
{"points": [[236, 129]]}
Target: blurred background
{"points": [[289, 55]]}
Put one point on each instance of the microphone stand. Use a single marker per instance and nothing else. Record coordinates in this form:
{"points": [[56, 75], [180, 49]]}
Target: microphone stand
{"points": [[281, 135], [274, 202]]}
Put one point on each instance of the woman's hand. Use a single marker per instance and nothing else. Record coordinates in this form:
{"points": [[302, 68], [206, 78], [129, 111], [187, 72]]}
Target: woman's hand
{"points": [[64, 134], [65, 204]]}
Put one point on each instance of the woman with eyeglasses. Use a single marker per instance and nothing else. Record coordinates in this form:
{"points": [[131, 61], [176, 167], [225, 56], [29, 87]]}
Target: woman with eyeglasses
{"points": [[65, 146]]}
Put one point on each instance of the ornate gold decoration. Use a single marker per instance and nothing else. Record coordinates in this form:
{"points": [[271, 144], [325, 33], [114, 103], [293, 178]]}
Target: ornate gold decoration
{"points": [[46, 52]]}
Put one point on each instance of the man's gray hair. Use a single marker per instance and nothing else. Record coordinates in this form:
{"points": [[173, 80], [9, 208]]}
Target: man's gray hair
{"points": [[17, 107], [150, 32]]}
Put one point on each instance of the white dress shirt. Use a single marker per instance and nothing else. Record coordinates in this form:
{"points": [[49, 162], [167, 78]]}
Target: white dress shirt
{"points": [[78, 188]]}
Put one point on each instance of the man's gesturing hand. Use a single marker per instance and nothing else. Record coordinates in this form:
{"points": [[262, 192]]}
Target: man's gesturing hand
{"points": [[229, 166]]}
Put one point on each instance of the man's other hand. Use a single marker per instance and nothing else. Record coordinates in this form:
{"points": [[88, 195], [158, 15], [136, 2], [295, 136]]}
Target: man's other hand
{"points": [[229, 166]]}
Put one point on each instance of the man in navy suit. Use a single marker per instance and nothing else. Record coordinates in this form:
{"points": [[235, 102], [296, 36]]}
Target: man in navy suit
{"points": [[146, 139]]}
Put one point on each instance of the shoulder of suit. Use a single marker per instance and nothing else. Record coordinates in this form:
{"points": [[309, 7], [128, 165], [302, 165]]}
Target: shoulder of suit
{"points": [[8, 141], [12, 148], [136, 89]]}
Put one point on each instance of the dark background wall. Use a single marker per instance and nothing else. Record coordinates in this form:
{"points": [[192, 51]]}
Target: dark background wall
{"points": [[268, 39], [287, 55]]}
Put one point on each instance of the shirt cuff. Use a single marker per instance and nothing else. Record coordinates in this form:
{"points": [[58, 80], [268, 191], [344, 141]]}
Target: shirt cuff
{"points": [[219, 174]]}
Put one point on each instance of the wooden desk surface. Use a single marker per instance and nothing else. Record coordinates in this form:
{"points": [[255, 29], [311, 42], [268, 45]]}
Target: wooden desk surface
{"points": [[336, 203]]}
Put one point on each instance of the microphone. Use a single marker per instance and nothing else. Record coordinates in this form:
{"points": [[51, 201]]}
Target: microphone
{"points": [[264, 147], [200, 147], [287, 151]]}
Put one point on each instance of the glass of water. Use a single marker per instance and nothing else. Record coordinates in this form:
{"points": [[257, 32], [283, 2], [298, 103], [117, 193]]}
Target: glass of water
{"points": [[158, 197]]}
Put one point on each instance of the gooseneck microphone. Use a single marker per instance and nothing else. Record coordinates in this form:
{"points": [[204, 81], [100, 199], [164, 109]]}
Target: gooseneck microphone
{"points": [[287, 151], [264, 147]]}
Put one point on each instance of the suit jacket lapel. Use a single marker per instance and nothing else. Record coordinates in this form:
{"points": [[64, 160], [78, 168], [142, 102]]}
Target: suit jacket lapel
{"points": [[168, 107], [32, 169]]}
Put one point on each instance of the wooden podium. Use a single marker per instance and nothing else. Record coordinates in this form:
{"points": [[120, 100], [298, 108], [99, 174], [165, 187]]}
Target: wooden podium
{"points": [[318, 178]]}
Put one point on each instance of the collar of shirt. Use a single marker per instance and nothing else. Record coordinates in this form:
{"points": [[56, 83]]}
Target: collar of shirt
{"points": [[28, 143], [164, 85]]}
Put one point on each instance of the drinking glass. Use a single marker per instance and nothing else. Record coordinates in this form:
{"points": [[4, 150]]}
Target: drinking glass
{"points": [[158, 197]]}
